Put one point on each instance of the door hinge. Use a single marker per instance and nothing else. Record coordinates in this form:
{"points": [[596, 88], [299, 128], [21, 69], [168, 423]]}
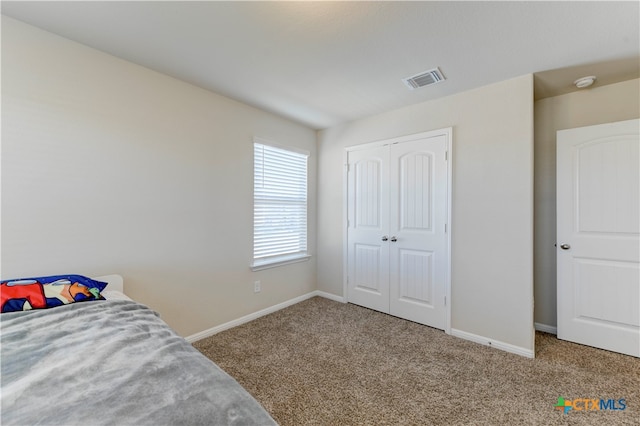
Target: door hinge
{"points": [[446, 156], [348, 167], [445, 301], [445, 228]]}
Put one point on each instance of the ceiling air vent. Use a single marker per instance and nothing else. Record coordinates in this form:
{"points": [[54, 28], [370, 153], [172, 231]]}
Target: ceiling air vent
{"points": [[424, 79]]}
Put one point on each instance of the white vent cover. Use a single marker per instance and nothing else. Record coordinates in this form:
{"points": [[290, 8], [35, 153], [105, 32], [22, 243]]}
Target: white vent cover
{"points": [[424, 79]]}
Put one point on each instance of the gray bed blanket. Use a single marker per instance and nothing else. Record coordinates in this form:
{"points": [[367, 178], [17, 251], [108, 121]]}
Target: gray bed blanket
{"points": [[112, 363]]}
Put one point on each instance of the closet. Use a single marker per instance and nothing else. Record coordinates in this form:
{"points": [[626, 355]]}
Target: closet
{"points": [[398, 227]]}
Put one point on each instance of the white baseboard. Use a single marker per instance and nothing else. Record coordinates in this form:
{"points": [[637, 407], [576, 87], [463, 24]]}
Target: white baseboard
{"points": [[330, 296], [507, 347], [454, 332], [242, 320], [546, 328]]}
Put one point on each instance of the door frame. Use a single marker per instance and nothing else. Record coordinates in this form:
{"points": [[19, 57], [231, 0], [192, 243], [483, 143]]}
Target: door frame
{"points": [[448, 134]]}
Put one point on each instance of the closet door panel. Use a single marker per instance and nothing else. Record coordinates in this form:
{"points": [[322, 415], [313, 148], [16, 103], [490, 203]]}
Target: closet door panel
{"points": [[418, 213], [368, 254]]}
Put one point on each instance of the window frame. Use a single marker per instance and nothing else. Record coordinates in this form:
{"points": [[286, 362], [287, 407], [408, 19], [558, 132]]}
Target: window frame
{"points": [[265, 262]]}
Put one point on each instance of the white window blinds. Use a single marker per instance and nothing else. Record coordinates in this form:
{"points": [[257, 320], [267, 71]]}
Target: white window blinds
{"points": [[280, 206]]}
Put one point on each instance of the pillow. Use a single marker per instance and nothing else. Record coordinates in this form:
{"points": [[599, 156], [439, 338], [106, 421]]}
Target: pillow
{"points": [[46, 292]]}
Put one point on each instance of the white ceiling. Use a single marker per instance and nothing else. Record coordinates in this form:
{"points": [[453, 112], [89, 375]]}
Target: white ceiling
{"points": [[323, 63]]}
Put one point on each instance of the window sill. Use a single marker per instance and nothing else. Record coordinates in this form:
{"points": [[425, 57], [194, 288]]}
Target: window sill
{"points": [[259, 265]]}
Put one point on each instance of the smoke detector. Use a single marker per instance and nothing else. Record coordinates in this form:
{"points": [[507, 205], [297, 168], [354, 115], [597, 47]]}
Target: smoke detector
{"points": [[583, 82], [425, 78]]}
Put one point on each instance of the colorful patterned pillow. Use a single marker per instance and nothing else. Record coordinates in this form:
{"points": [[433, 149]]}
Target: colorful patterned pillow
{"points": [[46, 292]]}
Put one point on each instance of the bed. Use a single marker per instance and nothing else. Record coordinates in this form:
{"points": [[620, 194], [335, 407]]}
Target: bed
{"points": [[112, 362]]}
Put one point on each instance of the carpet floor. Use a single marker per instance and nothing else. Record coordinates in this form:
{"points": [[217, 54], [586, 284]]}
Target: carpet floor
{"points": [[321, 362]]}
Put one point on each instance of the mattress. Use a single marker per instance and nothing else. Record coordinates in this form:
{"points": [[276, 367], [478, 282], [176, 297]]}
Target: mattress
{"points": [[112, 362]]}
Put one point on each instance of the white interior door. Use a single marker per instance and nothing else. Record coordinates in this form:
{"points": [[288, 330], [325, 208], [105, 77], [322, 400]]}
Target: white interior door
{"points": [[418, 242], [598, 187], [397, 242], [367, 235]]}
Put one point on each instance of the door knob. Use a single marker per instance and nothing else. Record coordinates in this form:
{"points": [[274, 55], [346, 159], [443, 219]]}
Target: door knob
{"points": [[394, 239], [565, 246], [385, 238]]}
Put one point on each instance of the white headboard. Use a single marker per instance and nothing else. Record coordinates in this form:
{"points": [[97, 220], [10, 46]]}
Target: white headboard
{"points": [[115, 282]]}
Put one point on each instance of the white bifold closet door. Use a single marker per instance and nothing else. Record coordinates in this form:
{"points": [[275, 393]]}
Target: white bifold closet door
{"points": [[397, 243]]}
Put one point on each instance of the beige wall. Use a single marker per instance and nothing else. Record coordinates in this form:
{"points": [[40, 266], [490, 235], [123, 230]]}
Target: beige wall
{"points": [[615, 102], [492, 239], [108, 167]]}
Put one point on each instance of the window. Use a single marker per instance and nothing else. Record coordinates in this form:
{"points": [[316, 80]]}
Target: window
{"points": [[279, 206]]}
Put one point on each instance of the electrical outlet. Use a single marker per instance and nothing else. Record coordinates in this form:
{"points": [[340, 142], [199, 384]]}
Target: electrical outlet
{"points": [[257, 287]]}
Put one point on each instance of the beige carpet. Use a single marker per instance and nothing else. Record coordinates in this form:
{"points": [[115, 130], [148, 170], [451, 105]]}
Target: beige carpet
{"points": [[326, 363]]}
